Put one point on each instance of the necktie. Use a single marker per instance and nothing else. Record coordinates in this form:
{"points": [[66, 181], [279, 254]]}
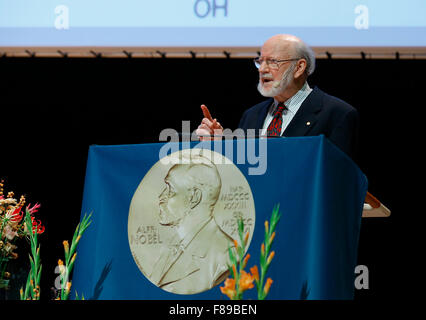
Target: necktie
{"points": [[274, 128]]}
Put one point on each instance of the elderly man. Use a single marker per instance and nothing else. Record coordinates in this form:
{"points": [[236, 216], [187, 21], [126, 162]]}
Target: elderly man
{"points": [[293, 108]]}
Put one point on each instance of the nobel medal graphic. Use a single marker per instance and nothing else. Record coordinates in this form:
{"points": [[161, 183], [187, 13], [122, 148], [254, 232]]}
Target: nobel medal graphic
{"points": [[183, 218]]}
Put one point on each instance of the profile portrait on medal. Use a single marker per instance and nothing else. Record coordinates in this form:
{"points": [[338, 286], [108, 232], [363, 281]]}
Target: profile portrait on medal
{"points": [[183, 220], [196, 256]]}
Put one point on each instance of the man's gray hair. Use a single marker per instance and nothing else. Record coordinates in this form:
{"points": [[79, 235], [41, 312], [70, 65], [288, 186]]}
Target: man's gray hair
{"points": [[302, 50]]}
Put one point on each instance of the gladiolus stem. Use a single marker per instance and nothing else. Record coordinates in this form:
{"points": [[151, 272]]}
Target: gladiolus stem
{"points": [[32, 288], [243, 280], [70, 255], [266, 256]]}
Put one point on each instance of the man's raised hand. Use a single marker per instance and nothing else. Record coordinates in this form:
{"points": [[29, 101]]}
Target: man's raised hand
{"points": [[208, 126]]}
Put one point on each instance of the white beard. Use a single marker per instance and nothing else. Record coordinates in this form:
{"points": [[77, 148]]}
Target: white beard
{"points": [[278, 87]]}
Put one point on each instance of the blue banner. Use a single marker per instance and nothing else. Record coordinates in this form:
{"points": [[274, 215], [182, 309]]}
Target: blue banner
{"points": [[319, 189]]}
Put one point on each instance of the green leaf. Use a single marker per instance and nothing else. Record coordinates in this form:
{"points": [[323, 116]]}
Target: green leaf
{"points": [[77, 297], [231, 271], [75, 233], [32, 266], [276, 216], [36, 258], [240, 254], [241, 229], [232, 256], [69, 269], [27, 286], [85, 223], [39, 275]]}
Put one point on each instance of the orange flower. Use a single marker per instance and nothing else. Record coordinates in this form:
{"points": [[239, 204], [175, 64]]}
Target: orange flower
{"points": [[262, 249], [235, 243], [61, 266], [229, 288], [245, 260], [255, 272], [267, 286], [267, 226], [66, 246], [271, 256], [246, 238], [246, 281], [272, 237]]}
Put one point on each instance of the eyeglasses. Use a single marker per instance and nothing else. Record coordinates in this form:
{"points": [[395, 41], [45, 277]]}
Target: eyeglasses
{"points": [[271, 63]]}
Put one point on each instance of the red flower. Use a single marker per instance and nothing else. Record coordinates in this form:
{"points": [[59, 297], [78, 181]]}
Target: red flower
{"points": [[17, 215], [34, 208], [37, 225], [13, 215]]}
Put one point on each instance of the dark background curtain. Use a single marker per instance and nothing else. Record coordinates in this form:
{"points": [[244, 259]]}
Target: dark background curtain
{"points": [[52, 109]]}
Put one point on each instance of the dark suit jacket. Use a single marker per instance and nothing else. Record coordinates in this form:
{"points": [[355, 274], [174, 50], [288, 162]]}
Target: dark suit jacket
{"points": [[320, 113]]}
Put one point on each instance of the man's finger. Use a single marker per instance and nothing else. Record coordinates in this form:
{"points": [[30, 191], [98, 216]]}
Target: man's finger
{"points": [[206, 113], [216, 125]]}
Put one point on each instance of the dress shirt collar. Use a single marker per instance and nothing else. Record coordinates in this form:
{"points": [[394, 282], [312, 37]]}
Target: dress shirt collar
{"points": [[293, 103]]}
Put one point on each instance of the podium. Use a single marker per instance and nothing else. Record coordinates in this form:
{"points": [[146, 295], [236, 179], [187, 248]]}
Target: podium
{"points": [[321, 194]]}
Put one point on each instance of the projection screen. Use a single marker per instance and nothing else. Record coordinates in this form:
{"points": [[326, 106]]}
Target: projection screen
{"points": [[210, 25]]}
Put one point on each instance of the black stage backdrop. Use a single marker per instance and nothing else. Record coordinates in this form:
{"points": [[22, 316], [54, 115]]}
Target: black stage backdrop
{"points": [[52, 109]]}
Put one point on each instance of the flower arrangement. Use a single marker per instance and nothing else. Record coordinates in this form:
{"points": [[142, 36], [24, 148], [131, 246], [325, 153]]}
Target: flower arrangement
{"points": [[17, 222], [241, 280], [13, 226]]}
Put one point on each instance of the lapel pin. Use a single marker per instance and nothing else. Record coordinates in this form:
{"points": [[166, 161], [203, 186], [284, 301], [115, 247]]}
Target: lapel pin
{"points": [[308, 123]]}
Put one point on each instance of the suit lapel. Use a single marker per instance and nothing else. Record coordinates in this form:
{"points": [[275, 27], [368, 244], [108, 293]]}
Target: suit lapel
{"points": [[263, 111], [306, 116]]}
